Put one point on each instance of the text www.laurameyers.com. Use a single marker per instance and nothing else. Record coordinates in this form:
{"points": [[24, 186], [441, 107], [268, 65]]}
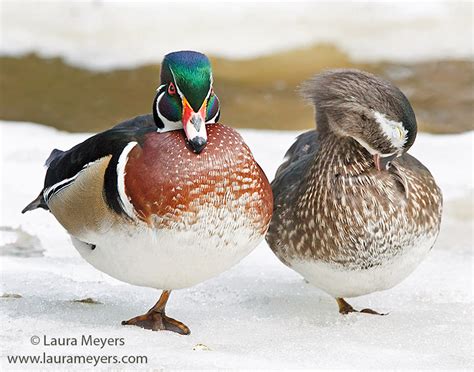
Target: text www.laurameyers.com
{"points": [[83, 341]]}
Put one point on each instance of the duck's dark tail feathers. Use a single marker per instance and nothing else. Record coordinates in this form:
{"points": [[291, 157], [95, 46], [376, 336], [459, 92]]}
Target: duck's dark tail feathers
{"points": [[37, 203], [54, 154]]}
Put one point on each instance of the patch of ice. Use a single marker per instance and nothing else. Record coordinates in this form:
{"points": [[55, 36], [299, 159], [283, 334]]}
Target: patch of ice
{"points": [[110, 34], [16, 242]]}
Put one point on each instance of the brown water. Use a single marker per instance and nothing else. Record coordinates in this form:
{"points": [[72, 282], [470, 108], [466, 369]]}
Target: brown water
{"points": [[256, 93]]}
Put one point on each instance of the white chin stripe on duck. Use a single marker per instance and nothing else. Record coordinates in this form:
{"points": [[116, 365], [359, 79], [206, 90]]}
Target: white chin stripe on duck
{"points": [[393, 130], [167, 124], [213, 120]]}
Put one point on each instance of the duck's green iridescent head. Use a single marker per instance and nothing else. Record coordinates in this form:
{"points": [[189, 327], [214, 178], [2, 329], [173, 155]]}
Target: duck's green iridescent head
{"points": [[185, 98]]}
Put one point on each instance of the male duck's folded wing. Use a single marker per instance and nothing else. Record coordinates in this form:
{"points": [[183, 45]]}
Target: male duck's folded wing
{"points": [[64, 166]]}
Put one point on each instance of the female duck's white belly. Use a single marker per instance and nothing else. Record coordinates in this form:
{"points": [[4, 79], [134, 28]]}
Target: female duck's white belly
{"points": [[168, 258], [352, 281]]}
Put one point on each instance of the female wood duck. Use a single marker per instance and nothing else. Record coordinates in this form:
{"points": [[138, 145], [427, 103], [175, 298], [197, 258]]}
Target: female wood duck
{"points": [[354, 213], [165, 200]]}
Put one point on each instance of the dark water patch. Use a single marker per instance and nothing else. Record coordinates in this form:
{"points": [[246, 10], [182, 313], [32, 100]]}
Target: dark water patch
{"points": [[255, 93], [441, 92]]}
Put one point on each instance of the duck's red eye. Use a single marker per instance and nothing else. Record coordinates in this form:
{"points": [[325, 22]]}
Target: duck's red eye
{"points": [[171, 89]]}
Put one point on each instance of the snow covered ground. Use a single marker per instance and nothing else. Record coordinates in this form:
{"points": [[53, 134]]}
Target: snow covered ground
{"points": [[110, 33], [259, 314]]}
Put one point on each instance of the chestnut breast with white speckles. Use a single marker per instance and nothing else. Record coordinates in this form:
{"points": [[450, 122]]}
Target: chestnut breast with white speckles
{"points": [[170, 186]]}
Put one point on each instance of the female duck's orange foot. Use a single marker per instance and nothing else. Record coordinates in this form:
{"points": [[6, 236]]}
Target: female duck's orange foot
{"points": [[346, 308], [370, 311], [158, 322]]}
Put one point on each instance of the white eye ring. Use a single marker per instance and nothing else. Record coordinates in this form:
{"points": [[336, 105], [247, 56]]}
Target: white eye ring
{"points": [[393, 130], [401, 135]]}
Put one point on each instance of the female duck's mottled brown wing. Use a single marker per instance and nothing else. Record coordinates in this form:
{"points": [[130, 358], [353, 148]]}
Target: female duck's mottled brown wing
{"points": [[292, 170], [417, 182]]}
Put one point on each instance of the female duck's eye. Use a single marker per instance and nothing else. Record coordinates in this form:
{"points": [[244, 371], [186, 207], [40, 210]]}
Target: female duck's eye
{"points": [[400, 133], [171, 89]]}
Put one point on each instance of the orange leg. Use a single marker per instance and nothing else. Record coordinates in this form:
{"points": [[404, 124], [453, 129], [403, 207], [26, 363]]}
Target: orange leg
{"points": [[156, 319], [346, 308]]}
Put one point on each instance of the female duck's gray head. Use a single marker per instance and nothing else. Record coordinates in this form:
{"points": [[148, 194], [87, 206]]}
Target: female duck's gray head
{"points": [[185, 98], [369, 109]]}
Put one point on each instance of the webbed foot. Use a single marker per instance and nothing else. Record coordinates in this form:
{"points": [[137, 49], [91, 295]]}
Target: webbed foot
{"points": [[156, 319], [346, 308]]}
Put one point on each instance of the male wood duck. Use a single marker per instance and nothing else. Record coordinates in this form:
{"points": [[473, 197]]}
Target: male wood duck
{"points": [[166, 200], [353, 212]]}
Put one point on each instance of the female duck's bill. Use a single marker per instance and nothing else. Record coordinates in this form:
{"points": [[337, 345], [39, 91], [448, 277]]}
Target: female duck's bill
{"points": [[186, 99]]}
